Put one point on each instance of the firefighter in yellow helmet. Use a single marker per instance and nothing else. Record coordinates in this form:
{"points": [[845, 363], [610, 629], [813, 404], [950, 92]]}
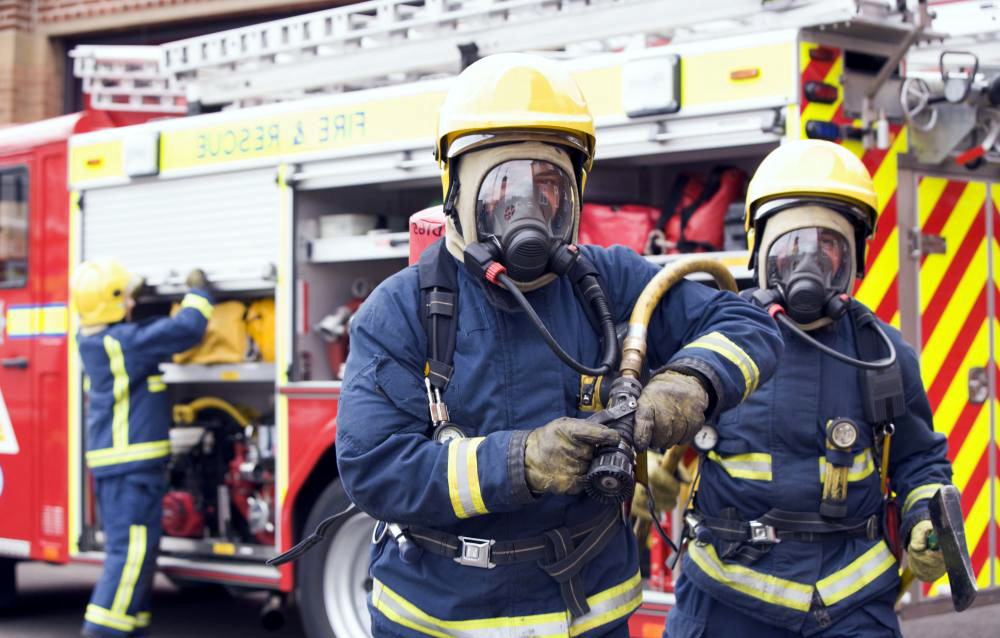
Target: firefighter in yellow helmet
{"points": [[460, 426], [127, 420], [791, 533]]}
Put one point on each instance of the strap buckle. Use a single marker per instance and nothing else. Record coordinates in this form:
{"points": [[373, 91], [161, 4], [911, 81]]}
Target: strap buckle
{"points": [[761, 533], [873, 528], [475, 552]]}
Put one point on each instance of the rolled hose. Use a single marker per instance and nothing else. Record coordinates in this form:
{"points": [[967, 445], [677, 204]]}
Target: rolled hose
{"points": [[613, 470]]}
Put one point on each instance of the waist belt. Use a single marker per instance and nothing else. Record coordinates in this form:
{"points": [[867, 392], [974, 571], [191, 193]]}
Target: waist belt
{"points": [[777, 525], [561, 553], [749, 540]]}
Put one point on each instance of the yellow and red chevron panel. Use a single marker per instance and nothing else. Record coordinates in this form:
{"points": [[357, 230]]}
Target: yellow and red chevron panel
{"points": [[878, 289], [955, 330]]}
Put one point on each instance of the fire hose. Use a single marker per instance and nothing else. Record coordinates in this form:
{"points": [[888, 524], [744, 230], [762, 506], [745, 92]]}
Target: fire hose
{"points": [[614, 470]]}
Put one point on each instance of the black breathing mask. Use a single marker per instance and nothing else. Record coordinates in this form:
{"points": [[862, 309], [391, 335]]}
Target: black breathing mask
{"points": [[525, 212], [808, 273]]}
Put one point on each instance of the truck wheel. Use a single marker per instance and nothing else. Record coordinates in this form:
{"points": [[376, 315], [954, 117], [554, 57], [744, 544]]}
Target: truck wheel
{"points": [[332, 582], [8, 582]]}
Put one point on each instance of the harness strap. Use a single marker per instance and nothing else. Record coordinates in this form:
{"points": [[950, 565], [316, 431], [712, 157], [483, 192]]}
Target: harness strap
{"points": [[747, 541], [438, 280], [804, 530], [561, 553]]}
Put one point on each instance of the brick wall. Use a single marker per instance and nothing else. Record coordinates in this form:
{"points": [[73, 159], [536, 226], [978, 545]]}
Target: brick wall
{"points": [[15, 14], [51, 11]]}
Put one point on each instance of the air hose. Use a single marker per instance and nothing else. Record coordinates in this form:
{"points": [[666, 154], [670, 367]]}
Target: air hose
{"points": [[880, 364], [598, 303], [612, 473]]}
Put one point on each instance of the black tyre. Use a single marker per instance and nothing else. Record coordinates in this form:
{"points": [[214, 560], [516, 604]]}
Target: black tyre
{"points": [[332, 583], [8, 582]]}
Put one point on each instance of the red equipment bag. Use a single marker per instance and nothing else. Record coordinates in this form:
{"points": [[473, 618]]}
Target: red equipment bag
{"points": [[628, 225], [694, 218]]}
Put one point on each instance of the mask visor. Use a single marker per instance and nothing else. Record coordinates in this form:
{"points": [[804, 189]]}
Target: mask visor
{"points": [[519, 190], [817, 251]]}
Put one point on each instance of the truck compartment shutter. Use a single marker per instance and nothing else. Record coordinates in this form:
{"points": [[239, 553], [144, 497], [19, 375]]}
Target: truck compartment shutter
{"points": [[225, 223]]}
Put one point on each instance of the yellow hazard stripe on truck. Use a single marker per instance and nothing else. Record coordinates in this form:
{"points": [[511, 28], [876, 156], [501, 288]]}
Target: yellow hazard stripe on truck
{"points": [[48, 320]]}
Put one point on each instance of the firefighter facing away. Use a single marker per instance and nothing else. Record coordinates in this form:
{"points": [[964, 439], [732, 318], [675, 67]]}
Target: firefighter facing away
{"points": [[127, 442], [491, 493], [793, 531]]}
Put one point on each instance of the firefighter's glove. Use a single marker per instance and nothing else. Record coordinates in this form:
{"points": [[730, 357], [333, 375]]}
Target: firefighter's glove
{"points": [[671, 410], [927, 564], [557, 455], [666, 488], [196, 280]]}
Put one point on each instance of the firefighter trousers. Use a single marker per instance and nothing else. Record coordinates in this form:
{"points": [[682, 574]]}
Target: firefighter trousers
{"points": [[130, 508], [698, 615]]}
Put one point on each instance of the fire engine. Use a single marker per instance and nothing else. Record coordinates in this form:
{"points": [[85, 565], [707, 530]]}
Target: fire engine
{"points": [[306, 147]]}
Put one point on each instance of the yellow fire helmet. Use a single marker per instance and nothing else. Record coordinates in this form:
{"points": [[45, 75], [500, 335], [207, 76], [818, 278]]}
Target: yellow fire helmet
{"points": [[514, 97], [100, 289], [812, 172]]}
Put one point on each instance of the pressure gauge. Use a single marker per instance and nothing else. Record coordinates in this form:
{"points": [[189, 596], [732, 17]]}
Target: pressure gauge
{"points": [[706, 439], [448, 432], [843, 433]]}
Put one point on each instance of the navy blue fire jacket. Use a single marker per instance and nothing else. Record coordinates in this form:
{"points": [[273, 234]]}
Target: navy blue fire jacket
{"points": [[507, 382], [772, 453], [128, 416]]}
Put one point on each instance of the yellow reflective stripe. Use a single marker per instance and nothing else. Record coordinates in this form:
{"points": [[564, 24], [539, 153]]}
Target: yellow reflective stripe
{"points": [[155, 383], [143, 618], [920, 493], [472, 468], [130, 572], [135, 452], [755, 466], [862, 468], [202, 305], [119, 422], [107, 618], [606, 606], [721, 344], [463, 478], [770, 589], [862, 571], [609, 605]]}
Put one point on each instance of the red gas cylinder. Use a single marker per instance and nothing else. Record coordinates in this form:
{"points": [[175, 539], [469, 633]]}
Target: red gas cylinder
{"points": [[426, 227]]}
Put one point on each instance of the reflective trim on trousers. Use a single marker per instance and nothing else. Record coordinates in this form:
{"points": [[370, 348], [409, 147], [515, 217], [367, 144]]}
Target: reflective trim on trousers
{"points": [[131, 570], [759, 585], [862, 468], [463, 478], [755, 466], [142, 619], [107, 618], [721, 344], [920, 493], [862, 571], [606, 606]]}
